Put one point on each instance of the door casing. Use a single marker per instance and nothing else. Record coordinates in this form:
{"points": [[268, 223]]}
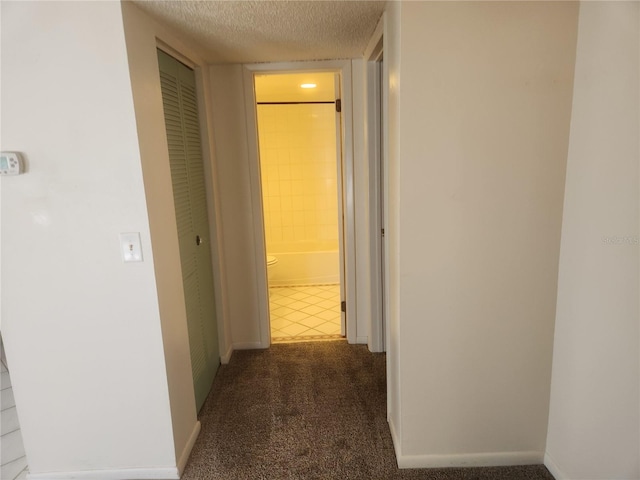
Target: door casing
{"points": [[343, 67], [376, 115]]}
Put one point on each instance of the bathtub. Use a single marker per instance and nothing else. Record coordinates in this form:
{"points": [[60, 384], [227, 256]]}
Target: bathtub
{"points": [[306, 268]]}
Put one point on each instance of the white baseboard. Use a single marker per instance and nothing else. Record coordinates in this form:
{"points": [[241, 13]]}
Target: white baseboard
{"points": [[184, 457], [394, 438], [161, 473], [494, 459], [247, 346], [553, 468], [224, 359], [362, 340], [166, 473]]}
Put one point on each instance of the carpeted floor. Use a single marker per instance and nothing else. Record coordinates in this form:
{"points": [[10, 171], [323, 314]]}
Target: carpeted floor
{"points": [[309, 411]]}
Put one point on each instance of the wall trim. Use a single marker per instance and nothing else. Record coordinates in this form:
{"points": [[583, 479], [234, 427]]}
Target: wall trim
{"points": [[159, 473], [362, 339], [493, 459], [395, 438], [375, 128], [374, 47], [226, 356], [186, 452], [552, 466], [169, 50], [248, 346]]}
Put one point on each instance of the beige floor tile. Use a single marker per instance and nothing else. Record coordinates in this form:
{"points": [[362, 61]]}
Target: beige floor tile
{"points": [[294, 329], [305, 311]]}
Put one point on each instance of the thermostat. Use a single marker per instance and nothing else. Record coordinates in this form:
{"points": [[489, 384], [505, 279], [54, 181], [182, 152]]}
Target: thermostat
{"points": [[11, 163]]}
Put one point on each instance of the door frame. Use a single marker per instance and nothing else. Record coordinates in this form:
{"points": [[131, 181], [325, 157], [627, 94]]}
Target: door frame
{"points": [[340, 177], [377, 133], [343, 67]]}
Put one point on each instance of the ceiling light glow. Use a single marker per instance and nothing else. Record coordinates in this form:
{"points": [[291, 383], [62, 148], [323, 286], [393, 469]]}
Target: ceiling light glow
{"points": [[308, 85]]}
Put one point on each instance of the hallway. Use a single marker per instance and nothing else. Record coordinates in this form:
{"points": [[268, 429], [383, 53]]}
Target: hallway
{"points": [[312, 410]]}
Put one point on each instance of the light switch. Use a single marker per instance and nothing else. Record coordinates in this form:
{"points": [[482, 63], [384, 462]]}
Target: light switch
{"points": [[131, 247]]}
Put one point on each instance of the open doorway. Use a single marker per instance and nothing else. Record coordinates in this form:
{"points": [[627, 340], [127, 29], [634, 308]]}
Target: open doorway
{"points": [[301, 174], [347, 211]]}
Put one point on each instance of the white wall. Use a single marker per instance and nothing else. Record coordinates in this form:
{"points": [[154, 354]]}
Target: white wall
{"points": [[593, 420], [478, 144], [81, 328]]}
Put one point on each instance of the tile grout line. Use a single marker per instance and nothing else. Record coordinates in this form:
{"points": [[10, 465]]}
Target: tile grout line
{"points": [[301, 323]]}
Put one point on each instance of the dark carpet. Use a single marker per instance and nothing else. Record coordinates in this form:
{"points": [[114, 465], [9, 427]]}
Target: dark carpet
{"points": [[309, 411]]}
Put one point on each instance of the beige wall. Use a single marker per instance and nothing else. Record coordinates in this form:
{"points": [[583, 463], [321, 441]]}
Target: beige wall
{"points": [[361, 204], [241, 215], [594, 425], [478, 139], [392, 42], [478, 144], [142, 35], [237, 213], [82, 329]]}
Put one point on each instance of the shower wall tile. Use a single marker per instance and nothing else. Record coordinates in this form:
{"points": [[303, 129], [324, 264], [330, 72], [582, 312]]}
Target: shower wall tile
{"points": [[299, 176]]}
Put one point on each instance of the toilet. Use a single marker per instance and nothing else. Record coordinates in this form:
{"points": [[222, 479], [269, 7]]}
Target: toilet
{"points": [[271, 262]]}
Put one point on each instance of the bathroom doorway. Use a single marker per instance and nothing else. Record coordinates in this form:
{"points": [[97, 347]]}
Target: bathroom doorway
{"points": [[298, 124]]}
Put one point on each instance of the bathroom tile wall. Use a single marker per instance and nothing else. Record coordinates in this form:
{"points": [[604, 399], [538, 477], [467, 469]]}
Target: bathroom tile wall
{"points": [[299, 176]]}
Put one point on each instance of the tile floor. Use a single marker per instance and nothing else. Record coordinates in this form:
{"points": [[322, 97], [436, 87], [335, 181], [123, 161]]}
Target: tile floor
{"points": [[303, 313]]}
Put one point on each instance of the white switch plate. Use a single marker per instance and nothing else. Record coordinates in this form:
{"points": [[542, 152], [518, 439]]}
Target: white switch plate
{"points": [[131, 247]]}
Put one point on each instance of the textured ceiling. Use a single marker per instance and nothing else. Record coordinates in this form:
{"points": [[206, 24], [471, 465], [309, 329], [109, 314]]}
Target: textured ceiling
{"points": [[247, 31]]}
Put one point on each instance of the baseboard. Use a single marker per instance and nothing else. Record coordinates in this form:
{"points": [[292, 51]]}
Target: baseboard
{"points": [[494, 459], [184, 457], [552, 466], [395, 439], [247, 346], [224, 359], [362, 340], [167, 473]]}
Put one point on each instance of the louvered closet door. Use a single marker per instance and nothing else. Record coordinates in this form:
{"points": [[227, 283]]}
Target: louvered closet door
{"points": [[189, 194]]}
